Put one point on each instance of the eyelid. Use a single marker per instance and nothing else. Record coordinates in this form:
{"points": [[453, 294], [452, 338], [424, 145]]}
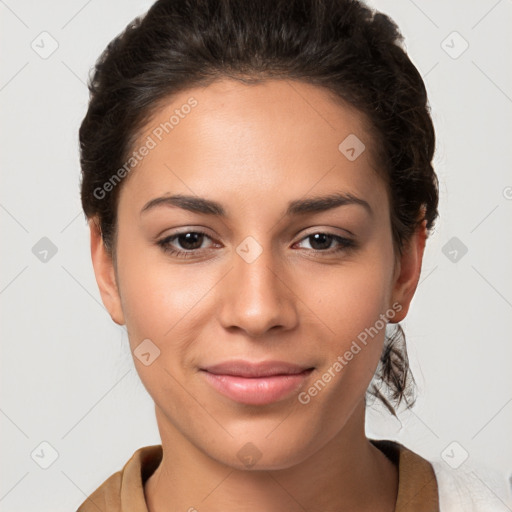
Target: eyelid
{"points": [[344, 243], [182, 231], [328, 231], [203, 231]]}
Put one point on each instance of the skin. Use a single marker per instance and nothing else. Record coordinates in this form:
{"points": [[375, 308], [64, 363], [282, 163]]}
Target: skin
{"points": [[254, 148]]}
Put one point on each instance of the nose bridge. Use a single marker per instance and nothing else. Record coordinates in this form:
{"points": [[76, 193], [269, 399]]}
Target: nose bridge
{"points": [[256, 298]]}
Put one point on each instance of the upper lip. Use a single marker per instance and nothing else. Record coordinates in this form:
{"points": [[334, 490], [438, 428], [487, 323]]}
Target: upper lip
{"points": [[242, 368]]}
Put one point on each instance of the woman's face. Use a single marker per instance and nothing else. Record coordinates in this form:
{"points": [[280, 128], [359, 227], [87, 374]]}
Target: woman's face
{"points": [[274, 278]]}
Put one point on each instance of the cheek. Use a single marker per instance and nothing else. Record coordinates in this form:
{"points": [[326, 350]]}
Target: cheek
{"points": [[351, 298], [353, 301], [160, 302], [352, 306], [156, 295]]}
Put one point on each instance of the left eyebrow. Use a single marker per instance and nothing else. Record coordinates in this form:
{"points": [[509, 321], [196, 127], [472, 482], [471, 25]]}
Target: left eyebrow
{"points": [[323, 203], [297, 207]]}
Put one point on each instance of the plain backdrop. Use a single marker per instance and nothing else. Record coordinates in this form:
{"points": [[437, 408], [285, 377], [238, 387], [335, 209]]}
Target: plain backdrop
{"points": [[71, 399]]}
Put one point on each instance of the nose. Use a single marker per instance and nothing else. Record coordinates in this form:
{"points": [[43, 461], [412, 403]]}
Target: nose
{"points": [[258, 294]]}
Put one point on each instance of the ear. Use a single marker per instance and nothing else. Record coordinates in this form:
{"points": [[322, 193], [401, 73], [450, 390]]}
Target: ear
{"points": [[105, 273], [407, 272]]}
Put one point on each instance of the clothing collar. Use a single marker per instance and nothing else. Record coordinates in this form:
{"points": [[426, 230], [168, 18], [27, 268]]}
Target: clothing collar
{"points": [[124, 490]]}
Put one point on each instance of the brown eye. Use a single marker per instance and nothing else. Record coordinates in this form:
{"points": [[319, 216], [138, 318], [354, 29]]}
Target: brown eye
{"points": [[189, 243], [321, 242]]}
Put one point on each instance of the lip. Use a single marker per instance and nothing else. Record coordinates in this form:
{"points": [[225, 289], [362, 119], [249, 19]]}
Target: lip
{"points": [[256, 383], [241, 368]]}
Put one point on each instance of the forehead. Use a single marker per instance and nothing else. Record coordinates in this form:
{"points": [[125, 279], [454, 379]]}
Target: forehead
{"points": [[272, 137]]}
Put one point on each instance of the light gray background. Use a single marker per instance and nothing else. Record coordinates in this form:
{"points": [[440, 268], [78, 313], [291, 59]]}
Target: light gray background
{"points": [[67, 374]]}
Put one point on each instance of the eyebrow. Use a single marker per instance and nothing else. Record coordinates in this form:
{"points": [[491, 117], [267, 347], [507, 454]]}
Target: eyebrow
{"points": [[297, 207]]}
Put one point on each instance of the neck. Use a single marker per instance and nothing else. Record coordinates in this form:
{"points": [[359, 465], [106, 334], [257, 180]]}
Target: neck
{"points": [[347, 474]]}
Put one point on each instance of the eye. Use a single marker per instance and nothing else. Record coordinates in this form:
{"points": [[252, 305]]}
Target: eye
{"points": [[322, 241], [190, 241]]}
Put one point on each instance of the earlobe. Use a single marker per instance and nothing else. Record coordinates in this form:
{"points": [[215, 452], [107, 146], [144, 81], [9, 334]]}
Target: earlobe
{"points": [[105, 273], [408, 271]]}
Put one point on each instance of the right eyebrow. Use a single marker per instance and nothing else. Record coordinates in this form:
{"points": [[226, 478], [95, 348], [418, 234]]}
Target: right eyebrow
{"points": [[190, 203]]}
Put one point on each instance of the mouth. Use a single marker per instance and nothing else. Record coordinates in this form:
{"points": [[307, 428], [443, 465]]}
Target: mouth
{"points": [[256, 383]]}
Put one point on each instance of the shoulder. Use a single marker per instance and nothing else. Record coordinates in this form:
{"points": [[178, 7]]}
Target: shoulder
{"points": [[126, 485], [471, 488], [105, 497]]}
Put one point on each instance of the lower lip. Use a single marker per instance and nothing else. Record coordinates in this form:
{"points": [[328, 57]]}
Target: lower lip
{"points": [[256, 390]]}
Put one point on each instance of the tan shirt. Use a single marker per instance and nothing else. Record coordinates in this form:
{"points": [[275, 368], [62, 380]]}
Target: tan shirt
{"points": [[124, 490]]}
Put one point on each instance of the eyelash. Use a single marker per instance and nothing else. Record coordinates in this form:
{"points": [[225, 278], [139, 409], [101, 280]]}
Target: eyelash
{"points": [[345, 244]]}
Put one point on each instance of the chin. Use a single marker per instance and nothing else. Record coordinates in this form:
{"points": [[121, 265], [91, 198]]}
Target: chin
{"points": [[262, 453]]}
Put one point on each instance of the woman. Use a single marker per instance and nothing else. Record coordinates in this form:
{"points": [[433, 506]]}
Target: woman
{"points": [[258, 182]]}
